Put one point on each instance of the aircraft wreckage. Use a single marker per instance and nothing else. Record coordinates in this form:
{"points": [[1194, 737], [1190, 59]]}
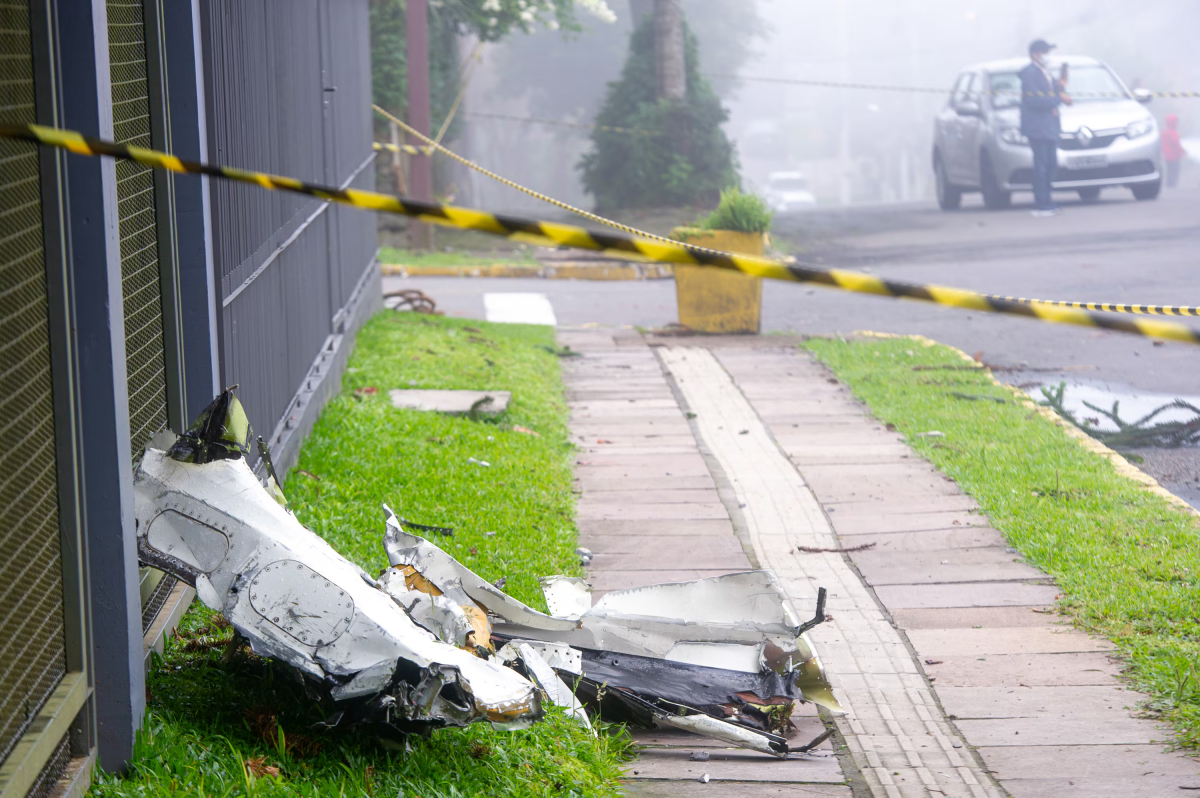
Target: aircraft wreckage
{"points": [[431, 644]]}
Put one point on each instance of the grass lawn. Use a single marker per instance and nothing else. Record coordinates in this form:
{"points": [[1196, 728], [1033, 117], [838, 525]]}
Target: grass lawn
{"points": [[1126, 560], [213, 723]]}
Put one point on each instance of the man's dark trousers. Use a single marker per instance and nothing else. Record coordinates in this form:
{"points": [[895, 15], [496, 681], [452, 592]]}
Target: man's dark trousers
{"points": [[1045, 162]]}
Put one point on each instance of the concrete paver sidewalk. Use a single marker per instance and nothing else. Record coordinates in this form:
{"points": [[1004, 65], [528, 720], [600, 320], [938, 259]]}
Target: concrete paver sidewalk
{"points": [[703, 456]]}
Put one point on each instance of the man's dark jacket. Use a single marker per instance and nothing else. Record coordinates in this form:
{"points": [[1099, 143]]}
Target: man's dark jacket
{"points": [[1039, 100]]}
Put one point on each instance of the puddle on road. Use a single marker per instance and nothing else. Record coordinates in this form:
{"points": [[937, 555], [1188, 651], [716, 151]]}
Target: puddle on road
{"points": [[1158, 432], [1107, 408]]}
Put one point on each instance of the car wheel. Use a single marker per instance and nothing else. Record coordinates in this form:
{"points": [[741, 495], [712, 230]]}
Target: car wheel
{"points": [[1147, 191], [994, 197], [1089, 194], [949, 196]]}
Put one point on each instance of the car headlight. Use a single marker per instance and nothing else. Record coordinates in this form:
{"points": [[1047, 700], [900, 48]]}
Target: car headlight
{"points": [[1143, 127], [1011, 135]]}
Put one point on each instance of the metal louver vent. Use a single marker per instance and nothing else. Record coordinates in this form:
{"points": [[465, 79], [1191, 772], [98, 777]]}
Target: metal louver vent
{"points": [[32, 647], [144, 348]]}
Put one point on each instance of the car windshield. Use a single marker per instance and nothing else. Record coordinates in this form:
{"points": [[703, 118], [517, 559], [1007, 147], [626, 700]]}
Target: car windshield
{"points": [[1082, 84], [789, 184]]}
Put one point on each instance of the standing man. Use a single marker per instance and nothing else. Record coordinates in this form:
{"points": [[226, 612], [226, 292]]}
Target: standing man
{"points": [[1041, 96]]}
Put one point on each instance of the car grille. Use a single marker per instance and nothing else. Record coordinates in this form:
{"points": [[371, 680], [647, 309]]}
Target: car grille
{"points": [[1110, 172], [1097, 143]]}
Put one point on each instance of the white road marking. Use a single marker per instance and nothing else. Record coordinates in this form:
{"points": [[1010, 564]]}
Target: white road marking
{"points": [[519, 309]]}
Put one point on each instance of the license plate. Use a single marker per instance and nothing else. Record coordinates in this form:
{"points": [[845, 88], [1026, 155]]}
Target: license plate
{"points": [[1087, 162]]}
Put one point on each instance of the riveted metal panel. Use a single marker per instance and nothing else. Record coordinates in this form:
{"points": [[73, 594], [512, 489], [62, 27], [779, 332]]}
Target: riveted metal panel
{"points": [[32, 643], [145, 362]]}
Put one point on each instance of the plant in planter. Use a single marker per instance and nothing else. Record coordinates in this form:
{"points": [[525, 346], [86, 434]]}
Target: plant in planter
{"points": [[717, 300], [742, 213]]}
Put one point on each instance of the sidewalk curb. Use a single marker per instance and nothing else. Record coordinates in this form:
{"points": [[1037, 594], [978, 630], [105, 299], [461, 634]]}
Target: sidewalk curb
{"points": [[567, 270]]}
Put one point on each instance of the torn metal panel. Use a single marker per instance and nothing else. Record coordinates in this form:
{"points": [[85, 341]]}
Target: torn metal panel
{"points": [[731, 648], [204, 517], [726, 657], [531, 655], [456, 580], [566, 596], [728, 732]]}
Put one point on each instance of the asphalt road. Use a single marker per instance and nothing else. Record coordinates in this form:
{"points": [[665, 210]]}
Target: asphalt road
{"points": [[1116, 250]]}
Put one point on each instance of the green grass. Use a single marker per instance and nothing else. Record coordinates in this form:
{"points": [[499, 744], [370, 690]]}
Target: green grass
{"points": [[207, 716], [743, 213], [404, 257], [1126, 560]]}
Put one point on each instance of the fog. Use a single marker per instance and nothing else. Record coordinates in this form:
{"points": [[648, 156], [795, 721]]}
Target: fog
{"points": [[855, 146]]}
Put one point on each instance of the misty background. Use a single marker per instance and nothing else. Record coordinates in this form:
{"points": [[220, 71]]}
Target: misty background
{"points": [[856, 146]]}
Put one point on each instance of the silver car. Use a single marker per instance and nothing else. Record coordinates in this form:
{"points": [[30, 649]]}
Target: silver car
{"points": [[1105, 141]]}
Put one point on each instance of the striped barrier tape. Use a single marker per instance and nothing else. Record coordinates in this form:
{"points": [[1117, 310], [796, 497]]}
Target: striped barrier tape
{"points": [[1109, 307], [834, 84], [1154, 310], [511, 184], [561, 235], [383, 146]]}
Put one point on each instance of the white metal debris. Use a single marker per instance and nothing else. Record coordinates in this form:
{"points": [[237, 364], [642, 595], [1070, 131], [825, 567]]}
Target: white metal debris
{"points": [[295, 599], [726, 657]]}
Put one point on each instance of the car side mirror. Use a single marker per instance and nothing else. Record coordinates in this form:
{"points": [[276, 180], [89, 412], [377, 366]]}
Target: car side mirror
{"points": [[968, 108], [1144, 96]]}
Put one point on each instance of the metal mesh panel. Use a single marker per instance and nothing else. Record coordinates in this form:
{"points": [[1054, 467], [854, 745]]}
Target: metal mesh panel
{"points": [[144, 357], [47, 780], [152, 605], [32, 649]]}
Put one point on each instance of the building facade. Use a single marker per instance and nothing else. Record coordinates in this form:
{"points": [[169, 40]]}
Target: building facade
{"points": [[129, 297]]}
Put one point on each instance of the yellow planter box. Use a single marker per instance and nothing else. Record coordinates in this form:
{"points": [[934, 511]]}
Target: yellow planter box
{"points": [[712, 300]]}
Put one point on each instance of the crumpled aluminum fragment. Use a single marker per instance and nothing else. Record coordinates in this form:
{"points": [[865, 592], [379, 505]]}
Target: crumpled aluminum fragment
{"points": [[531, 655], [726, 657], [204, 517]]}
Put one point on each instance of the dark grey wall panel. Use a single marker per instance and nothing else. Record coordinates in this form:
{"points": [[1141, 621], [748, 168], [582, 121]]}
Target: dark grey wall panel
{"points": [[32, 639], [288, 89]]}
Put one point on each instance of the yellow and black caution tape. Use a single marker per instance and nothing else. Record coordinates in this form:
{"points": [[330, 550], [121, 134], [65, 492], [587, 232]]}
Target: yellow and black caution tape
{"points": [[383, 146], [1154, 310], [1109, 307], [835, 84], [462, 93], [511, 184], [556, 235]]}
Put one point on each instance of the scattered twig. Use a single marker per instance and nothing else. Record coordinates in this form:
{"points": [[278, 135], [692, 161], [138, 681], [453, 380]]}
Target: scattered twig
{"points": [[674, 328], [971, 397], [815, 550], [1167, 434], [441, 530]]}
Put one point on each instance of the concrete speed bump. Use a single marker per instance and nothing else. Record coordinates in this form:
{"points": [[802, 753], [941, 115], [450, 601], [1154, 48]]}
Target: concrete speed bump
{"points": [[455, 403]]}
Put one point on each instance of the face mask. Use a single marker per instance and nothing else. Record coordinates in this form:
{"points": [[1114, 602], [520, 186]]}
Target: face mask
{"points": [[1039, 59]]}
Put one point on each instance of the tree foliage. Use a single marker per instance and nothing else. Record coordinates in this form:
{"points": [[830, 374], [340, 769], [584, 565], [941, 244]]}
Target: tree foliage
{"points": [[686, 159], [486, 20]]}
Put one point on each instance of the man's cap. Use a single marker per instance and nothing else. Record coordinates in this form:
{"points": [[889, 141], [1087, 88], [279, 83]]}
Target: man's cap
{"points": [[1041, 46]]}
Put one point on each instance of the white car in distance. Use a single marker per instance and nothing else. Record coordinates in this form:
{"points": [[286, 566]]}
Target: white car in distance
{"points": [[788, 191]]}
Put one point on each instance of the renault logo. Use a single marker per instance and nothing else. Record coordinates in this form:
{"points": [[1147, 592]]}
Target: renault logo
{"points": [[1084, 137]]}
